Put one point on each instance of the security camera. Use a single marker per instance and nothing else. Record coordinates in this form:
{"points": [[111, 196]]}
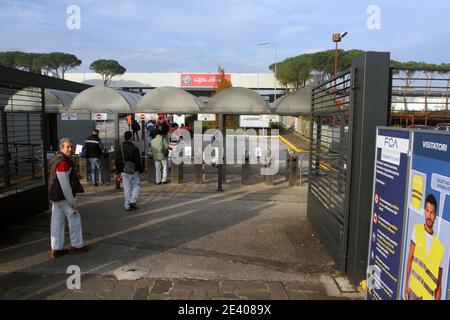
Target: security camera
{"points": [[343, 34]]}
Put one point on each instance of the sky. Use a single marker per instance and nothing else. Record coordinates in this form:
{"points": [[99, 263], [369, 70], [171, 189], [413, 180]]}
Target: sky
{"points": [[200, 35]]}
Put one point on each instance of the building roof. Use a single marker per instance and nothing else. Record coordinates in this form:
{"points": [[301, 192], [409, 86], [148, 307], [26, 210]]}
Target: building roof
{"points": [[296, 103], [29, 100], [104, 99], [237, 101], [170, 100]]}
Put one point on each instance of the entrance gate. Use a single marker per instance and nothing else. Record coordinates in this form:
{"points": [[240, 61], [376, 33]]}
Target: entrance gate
{"points": [[345, 112]]}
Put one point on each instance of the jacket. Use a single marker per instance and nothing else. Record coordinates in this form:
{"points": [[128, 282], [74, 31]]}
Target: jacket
{"points": [[135, 126], [94, 146], [62, 177], [159, 144], [131, 153]]}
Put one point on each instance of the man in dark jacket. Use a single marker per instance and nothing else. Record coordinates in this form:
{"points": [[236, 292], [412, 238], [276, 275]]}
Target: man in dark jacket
{"points": [[136, 127], [94, 153], [128, 152], [62, 188]]}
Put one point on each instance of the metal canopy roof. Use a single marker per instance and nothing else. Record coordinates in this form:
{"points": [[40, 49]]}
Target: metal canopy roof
{"points": [[296, 103], [237, 101], [29, 100], [170, 100], [104, 99]]}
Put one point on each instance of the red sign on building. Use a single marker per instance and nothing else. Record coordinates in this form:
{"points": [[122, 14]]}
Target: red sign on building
{"points": [[201, 79]]}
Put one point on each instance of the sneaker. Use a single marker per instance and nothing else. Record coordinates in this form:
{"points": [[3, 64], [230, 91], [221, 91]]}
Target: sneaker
{"points": [[157, 183], [95, 184], [58, 253], [79, 250], [127, 208], [164, 182], [133, 206]]}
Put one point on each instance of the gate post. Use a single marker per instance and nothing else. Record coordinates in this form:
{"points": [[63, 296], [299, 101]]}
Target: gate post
{"points": [[288, 163], [245, 170], [150, 169], [293, 171], [370, 106]]}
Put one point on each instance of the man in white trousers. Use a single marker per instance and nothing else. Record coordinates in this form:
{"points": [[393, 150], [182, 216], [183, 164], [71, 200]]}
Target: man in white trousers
{"points": [[128, 166], [63, 184]]}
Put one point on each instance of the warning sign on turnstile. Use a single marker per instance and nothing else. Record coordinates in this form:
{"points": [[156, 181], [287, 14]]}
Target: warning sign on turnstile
{"points": [[99, 116], [144, 116]]}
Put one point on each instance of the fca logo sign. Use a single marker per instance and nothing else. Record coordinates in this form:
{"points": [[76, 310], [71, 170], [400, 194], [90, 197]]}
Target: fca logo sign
{"points": [[391, 142]]}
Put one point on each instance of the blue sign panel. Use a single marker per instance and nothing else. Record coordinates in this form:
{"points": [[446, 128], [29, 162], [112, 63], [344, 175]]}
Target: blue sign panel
{"points": [[387, 214], [427, 238]]}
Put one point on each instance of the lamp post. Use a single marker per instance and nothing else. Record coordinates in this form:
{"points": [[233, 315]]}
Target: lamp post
{"points": [[337, 37], [276, 58]]}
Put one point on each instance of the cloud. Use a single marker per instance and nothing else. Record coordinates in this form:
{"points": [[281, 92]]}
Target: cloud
{"points": [[293, 30]]}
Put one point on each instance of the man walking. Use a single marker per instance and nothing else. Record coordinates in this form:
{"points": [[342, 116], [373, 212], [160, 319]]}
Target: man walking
{"points": [[128, 165], [136, 127], [160, 151], [95, 149], [63, 184]]}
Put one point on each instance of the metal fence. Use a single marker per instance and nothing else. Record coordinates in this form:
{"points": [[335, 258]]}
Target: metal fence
{"points": [[419, 96], [22, 163]]}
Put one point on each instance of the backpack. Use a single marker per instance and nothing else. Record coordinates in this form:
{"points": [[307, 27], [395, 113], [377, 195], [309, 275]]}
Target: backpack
{"points": [[128, 166], [135, 126], [84, 151], [164, 150]]}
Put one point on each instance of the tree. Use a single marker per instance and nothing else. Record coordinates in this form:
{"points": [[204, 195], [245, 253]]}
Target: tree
{"points": [[58, 63], [107, 69], [55, 63], [445, 67], [222, 83]]}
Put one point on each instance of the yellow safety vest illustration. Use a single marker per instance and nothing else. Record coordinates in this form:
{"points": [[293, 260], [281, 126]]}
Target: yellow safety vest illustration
{"points": [[425, 266], [417, 191]]}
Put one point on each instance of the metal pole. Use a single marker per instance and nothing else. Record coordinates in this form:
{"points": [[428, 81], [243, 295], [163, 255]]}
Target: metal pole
{"points": [[336, 55], [116, 142], [44, 137], [276, 58], [220, 173], [5, 147]]}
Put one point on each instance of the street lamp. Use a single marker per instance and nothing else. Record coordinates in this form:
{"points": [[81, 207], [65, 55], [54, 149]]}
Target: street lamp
{"points": [[276, 54], [337, 37]]}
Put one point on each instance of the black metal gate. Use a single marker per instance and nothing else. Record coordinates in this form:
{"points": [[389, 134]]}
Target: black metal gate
{"points": [[345, 112], [23, 168], [329, 145]]}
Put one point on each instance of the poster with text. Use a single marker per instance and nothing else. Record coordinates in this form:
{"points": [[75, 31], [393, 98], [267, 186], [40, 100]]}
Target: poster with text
{"points": [[387, 215], [427, 239]]}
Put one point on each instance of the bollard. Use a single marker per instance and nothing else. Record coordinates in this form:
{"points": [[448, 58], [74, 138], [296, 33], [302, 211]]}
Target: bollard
{"points": [[245, 171], [107, 165], [150, 169], [84, 169], [288, 161], [293, 171], [177, 166], [200, 173], [267, 165], [177, 173]]}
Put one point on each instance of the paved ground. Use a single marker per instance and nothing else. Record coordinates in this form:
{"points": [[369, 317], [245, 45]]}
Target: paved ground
{"points": [[184, 242]]}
